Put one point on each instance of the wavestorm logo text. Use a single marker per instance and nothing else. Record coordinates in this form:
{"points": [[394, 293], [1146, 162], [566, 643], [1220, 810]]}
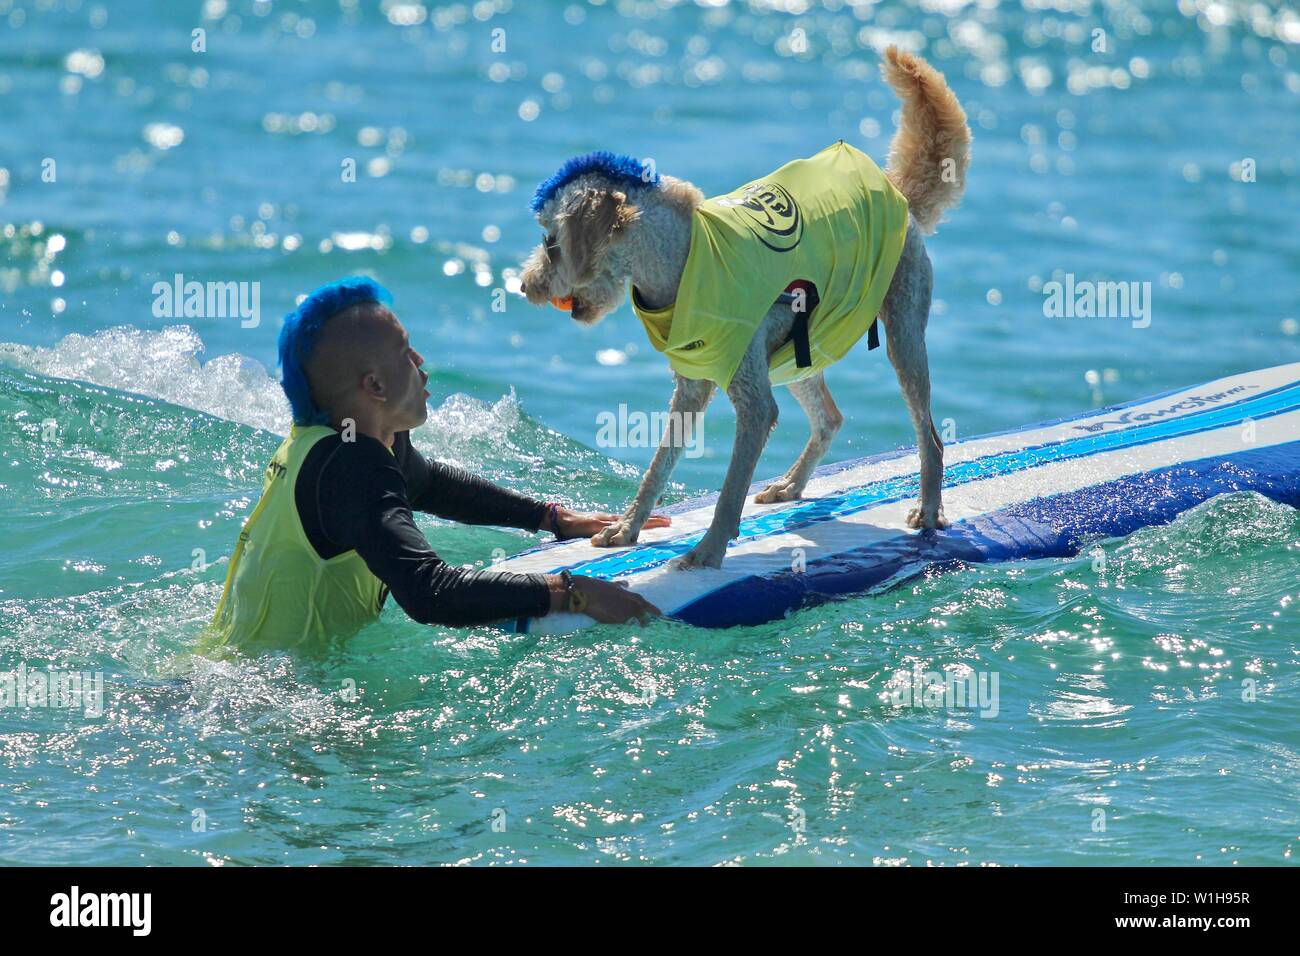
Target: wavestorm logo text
{"points": [[1190, 403]]}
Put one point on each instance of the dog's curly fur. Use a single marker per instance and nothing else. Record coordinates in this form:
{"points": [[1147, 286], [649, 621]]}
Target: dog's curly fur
{"points": [[930, 150], [603, 231]]}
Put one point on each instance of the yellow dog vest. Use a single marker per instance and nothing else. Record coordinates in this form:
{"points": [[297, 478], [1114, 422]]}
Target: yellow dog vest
{"points": [[279, 592], [834, 220]]}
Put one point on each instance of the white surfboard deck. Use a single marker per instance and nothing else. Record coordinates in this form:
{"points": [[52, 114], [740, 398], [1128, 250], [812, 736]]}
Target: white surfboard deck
{"points": [[1039, 491]]}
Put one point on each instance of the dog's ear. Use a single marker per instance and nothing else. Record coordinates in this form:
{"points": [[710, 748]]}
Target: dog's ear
{"points": [[589, 221]]}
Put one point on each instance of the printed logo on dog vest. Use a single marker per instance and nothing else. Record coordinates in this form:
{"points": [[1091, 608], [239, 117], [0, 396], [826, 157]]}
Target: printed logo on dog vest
{"points": [[133, 910], [774, 216]]}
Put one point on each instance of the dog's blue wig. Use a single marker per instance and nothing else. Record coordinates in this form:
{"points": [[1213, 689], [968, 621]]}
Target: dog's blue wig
{"points": [[301, 331], [627, 170]]}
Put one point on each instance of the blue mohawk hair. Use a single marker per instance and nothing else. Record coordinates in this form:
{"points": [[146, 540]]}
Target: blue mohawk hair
{"points": [[627, 170], [301, 331]]}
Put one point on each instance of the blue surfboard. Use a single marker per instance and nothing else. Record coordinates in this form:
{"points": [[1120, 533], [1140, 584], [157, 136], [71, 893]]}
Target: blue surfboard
{"points": [[1041, 491]]}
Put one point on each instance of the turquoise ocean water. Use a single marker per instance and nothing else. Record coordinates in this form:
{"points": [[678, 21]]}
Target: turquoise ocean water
{"points": [[133, 443]]}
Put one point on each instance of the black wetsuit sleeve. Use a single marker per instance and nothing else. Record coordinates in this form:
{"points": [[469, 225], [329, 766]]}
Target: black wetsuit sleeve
{"points": [[453, 493], [362, 504]]}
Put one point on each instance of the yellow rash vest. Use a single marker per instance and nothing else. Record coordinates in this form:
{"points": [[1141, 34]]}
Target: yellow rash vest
{"points": [[279, 592], [834, 220]]}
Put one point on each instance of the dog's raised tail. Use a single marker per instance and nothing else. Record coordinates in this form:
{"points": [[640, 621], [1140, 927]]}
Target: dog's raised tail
{"points": [[931, 149]]}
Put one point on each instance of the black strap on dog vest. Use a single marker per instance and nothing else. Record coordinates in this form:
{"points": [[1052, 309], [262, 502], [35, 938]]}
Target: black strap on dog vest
{"points": [[799, 330]]}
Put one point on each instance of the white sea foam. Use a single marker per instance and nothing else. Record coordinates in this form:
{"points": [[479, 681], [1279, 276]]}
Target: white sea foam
{"points": [[168, 365], [163, 364]]}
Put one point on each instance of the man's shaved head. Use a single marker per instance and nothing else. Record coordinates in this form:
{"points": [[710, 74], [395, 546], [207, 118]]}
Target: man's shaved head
{"points": [[351, 345], [347, 359]]}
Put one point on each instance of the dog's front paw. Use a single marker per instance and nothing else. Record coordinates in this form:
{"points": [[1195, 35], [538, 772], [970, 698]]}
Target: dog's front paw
{"points": [[703, 555], [783, 489], [928, 518], [616, 535]]}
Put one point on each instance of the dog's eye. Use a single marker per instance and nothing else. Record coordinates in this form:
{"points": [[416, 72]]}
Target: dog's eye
{"points": [[552, 245]]}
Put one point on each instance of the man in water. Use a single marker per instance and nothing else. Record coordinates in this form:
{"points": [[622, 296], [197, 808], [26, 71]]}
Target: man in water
{"points": [[333, 534]]}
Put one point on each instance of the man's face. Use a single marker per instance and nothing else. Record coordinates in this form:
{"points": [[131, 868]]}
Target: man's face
{"points": [[404, 381]]}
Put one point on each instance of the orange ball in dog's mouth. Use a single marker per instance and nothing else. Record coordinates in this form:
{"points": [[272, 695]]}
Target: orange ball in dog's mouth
{"points": [[565, 305]]}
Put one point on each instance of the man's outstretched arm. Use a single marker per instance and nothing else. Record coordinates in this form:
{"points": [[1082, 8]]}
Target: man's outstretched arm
{"points": [[360, 502], [431, 591], [446, 491]]}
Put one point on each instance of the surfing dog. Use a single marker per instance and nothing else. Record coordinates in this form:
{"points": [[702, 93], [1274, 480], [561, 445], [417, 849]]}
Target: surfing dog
{"points": [[609, 219]]}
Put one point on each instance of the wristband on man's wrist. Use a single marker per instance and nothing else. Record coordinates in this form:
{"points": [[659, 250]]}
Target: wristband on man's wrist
{"points": [[575, 602], [553, 511]]}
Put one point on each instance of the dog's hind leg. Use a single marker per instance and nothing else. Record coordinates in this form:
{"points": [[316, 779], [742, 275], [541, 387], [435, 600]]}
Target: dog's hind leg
{"points": [[690, 398], [824, 421], [905, 312]]}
